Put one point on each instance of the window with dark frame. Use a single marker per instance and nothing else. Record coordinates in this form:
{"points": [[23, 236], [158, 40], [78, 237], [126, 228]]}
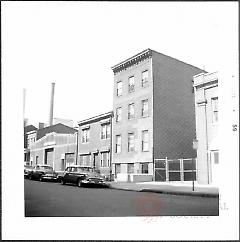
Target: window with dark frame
{"points": [[118, 144], [119, 88], [85, 135], [131, 111], [118, 114], [130, 142], [145, 140], [145, 108], [144, 78], [131, 86], [105, 131]]}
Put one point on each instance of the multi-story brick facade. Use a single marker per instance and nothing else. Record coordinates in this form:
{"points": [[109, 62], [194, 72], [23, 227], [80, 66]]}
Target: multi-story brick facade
{"points": [[153, 105], [206, 108], [94, 143]]}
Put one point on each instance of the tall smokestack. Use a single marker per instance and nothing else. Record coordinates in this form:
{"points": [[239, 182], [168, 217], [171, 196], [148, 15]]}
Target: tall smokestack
{"points": [[24, 101], [51, 105]]}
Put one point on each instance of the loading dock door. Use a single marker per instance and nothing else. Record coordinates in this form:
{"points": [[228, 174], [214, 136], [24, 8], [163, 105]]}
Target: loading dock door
{"points": [[48, 158]]}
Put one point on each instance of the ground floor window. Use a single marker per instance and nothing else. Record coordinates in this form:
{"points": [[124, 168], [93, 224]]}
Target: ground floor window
{"points": [[130, 168], [85, 160], [105, 159], [117, 168], [144, 168], [215, 156]]}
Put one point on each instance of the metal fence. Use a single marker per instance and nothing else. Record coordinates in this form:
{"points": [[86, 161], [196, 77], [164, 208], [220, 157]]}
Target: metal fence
{"points": [[175, 169]]}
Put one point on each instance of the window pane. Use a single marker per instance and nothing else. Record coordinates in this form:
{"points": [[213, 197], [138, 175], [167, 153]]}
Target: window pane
{"points": [[108, 131], [119, 88], [144, 168], [144, 78], [144, 108], [130, 168], [130, 142], [131, 84]]}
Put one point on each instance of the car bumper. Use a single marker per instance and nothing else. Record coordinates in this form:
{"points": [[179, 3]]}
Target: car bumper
{"points": [[49, 177]]}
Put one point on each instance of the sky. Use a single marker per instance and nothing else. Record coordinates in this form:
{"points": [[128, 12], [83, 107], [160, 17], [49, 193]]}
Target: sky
{"points": [[75, 44]]}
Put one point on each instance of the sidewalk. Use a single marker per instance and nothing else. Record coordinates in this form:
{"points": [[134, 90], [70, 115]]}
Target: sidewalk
{"points": [[176, 188]]}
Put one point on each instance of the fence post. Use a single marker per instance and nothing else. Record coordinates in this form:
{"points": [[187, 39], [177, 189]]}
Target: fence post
{"points": [[167, 172], [192, 176], [181, 170]]}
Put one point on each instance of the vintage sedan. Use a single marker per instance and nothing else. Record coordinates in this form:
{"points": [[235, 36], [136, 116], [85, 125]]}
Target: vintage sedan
{"points": [[43, 173], [82, 176], [27, 170]]}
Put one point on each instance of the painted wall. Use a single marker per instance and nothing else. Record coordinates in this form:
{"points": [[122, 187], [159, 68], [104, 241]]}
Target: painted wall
{"points": [[61, 143], [206, 88]]}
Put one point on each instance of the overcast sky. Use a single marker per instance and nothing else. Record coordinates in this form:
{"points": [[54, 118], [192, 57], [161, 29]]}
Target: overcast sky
{"points": [[75, 44]]}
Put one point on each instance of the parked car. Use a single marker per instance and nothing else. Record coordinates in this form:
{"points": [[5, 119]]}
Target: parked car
{"points": [[82, 176], [27, 170], [42, 173]]}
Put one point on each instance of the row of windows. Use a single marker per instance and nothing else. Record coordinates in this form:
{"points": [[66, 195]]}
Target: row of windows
{"points": [[85, 160], [131, 110], [130, 168], [131, 83], [105, 133], [131, 142]]}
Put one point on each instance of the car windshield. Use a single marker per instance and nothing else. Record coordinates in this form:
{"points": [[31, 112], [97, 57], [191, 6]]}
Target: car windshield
{"points": [[85, 169], [46, 168]]}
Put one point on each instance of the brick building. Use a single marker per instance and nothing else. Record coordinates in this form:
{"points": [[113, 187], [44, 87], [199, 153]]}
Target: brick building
{"points": [[206, 108], [94, 143], [154, 116]]}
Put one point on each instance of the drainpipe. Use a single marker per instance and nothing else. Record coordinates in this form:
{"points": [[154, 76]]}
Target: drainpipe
{"points": [[77, 147], [110, 167], [205, 109]]}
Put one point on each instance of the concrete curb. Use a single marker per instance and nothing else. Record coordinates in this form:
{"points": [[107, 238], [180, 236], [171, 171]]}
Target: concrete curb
{"points": [[182, 193]]}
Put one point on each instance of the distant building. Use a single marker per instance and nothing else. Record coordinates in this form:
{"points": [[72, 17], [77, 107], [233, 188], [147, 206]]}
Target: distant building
{"points": [[206, 109], [94, 143], [27, 129], [154, 117], [55, 145]]}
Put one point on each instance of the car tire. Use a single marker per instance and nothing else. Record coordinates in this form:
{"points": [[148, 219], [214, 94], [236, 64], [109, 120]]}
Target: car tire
{"points": [[62, 182]]}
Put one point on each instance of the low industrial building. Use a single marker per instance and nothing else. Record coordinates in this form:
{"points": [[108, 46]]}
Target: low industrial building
{"points": [[54, 145]]}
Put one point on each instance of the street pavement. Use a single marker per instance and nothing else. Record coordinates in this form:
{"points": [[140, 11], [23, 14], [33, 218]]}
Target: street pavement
{"points": [[46, 199]]}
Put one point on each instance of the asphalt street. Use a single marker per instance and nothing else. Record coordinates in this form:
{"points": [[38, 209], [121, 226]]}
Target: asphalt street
{"points": [[47, 199]]}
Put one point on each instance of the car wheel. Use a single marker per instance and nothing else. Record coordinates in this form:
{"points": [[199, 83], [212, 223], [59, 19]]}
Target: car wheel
{"points": [[62, 182]]}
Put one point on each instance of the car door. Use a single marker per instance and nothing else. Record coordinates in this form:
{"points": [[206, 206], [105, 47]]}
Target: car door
{"points": [[66, 175]]}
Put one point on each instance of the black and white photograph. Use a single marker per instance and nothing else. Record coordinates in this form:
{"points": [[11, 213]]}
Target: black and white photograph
{"points": [[120, 120]]}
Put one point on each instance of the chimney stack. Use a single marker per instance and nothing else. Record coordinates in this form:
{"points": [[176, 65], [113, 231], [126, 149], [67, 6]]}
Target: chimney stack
{"points": [[51, 105]]}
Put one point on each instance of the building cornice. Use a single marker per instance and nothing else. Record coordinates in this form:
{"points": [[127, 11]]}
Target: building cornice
{"points": [[96, 118], [146, 54]]}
